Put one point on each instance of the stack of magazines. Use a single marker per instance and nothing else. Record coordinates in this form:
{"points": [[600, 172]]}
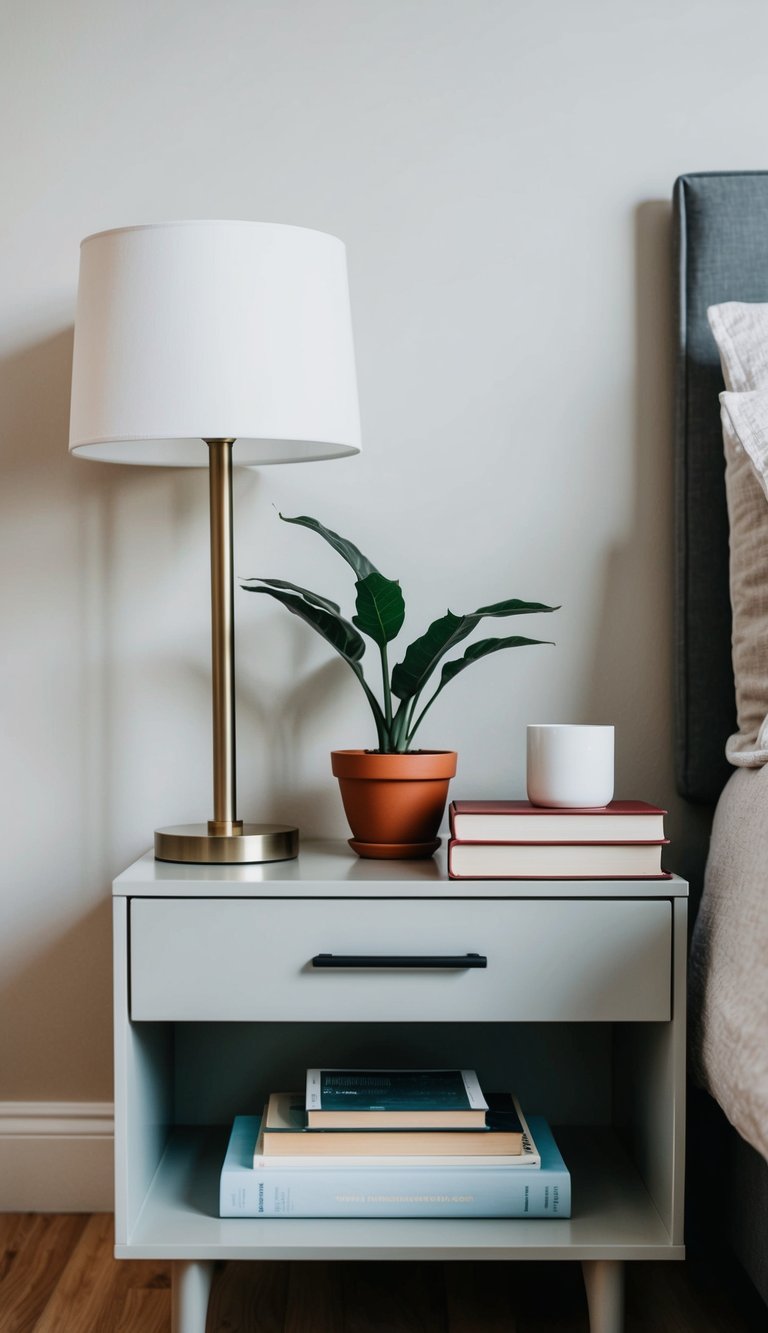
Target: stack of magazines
{"points": [[393, 1143]]}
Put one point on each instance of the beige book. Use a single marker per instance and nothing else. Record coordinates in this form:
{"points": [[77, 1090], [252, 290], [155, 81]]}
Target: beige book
{"points": [[285, 1135]]}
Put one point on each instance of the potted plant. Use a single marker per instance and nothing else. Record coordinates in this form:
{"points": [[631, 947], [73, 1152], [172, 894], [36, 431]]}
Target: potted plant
{"points": [[393, 796]]}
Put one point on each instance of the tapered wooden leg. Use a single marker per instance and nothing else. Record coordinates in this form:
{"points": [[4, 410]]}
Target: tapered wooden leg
{"points": [[189, 1304], [604, 1281]]}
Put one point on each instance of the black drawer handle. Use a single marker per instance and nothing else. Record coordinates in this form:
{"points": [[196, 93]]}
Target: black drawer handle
{"points": [[456, 961]]}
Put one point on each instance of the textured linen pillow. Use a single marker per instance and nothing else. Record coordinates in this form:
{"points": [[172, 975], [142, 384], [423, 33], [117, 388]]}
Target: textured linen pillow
{"points": [[741, 334]]}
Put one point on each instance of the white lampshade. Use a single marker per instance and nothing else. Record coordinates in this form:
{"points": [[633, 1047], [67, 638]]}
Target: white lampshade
{"points": [[187, 331]]}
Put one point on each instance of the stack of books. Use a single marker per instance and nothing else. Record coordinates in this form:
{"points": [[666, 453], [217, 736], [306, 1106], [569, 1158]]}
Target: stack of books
{"points": [[393, 1143], [517, 840]]}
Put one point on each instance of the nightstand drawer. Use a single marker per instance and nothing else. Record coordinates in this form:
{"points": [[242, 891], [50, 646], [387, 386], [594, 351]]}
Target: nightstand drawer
{"points": [[547, 960]]}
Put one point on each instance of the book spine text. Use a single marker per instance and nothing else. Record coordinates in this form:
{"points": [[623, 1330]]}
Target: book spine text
{"points": [[385, 1193]]}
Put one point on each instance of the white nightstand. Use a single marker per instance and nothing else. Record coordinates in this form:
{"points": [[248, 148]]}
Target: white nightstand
{"points": [[581, 1010]]}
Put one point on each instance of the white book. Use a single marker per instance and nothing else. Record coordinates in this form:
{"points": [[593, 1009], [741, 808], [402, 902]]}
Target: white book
{"points": [[509, 860]]}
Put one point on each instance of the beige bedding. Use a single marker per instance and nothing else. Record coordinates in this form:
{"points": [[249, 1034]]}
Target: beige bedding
{"points": [[729, 960]]}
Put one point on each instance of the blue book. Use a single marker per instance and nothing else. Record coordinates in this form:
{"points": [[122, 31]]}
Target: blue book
{"points": [[386, 1191]]}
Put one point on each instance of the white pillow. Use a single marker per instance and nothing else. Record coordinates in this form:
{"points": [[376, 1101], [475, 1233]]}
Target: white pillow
{"points": [[741, 334], [745, 416]]}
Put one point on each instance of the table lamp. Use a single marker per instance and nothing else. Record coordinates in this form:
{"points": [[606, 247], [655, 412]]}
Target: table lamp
{"points": [[212, 344]]}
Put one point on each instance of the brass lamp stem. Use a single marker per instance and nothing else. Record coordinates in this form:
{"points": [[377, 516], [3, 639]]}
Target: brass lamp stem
{"points": [[222, 639], [224, 840]]}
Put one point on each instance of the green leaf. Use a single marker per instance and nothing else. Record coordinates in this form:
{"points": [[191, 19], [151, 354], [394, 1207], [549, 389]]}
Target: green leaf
{"points": [[514, 607], [346, 549], [475, 651], [380, 608], [334, 628], [323, 616], [423, 655], [411, 675], [252, 585], [483, 648]]}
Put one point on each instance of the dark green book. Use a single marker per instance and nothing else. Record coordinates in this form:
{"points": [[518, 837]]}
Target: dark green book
{"points": [[394, 1098], [504, 1113]]}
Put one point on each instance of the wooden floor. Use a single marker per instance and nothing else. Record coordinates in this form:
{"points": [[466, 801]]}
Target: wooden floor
{"points": [[57, 1275]]}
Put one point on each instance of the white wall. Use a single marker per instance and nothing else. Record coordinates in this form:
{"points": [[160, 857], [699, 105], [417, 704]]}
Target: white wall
{"points": [[500, 172]]}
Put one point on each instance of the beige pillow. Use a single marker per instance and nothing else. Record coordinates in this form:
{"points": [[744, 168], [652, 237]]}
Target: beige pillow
{"points": [[741, 334]]}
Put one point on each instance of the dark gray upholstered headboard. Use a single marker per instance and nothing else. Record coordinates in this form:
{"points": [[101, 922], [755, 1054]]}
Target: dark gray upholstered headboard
{"points": [[721, 231]]}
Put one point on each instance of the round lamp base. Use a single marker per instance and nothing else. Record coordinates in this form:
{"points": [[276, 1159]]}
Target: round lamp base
{"points": [[192, 844]]}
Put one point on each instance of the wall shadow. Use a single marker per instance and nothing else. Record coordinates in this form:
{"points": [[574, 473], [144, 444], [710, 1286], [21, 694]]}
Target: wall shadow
{"points": [[74, 535], [58, 999], [632, 681], [53, 513], [59, 603]]}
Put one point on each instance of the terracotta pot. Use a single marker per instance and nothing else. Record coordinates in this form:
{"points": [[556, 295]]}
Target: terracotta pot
{"points": [[394, 802]]}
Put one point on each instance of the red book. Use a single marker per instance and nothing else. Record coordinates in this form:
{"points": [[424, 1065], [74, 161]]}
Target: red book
{"points": [[519, 821]]}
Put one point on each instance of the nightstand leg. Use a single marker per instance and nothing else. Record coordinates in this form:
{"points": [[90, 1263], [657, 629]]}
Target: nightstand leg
{"points": [[189, 1303], [604, 1281]]}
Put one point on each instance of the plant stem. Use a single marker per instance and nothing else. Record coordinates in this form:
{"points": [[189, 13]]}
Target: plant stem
{"points": [[385, 686], [399, 729], [412, 731], [382, 731], [410, 710]]}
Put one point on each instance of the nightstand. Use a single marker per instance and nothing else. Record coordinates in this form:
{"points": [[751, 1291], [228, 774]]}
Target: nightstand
{"points": [[580, 1010]]}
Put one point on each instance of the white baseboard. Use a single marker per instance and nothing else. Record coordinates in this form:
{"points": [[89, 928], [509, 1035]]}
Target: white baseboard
{"points": [[56, 1157]]}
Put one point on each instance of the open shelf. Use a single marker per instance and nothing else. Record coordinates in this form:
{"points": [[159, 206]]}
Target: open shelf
{"points": [[614, 1216]]}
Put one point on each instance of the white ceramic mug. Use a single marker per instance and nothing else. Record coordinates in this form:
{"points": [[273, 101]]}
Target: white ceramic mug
{"points": [[570, 767]]}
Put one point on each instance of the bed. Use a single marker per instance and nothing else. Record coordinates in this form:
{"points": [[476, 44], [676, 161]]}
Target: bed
{"points": [[721, 232]]}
